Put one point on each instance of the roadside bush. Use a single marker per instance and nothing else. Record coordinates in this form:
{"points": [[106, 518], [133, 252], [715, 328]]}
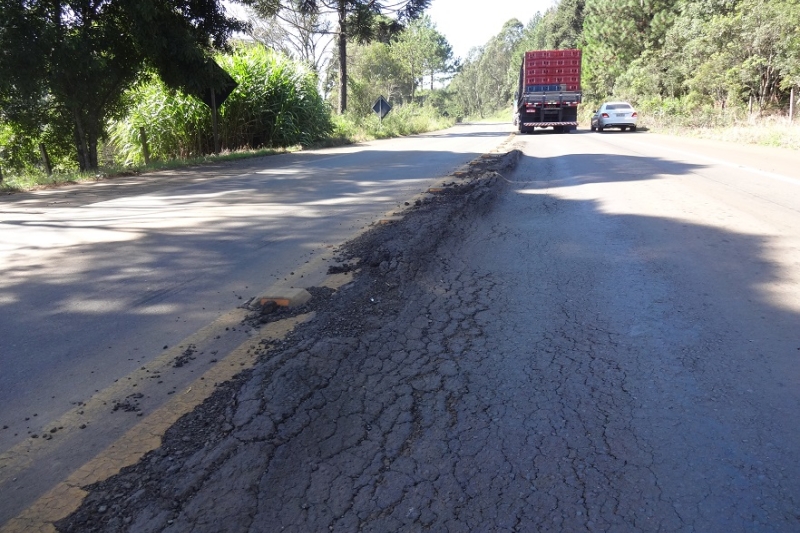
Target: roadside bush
{"points": [[443, 100], [20, 154], [405, 119], [275, 105]]}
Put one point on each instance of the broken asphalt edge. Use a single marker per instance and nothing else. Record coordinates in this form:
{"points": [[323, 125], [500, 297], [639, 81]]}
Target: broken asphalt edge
{"points": [[67, 496]]}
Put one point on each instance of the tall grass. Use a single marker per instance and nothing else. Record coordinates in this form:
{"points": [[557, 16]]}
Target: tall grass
{"points": [[276, 104]]}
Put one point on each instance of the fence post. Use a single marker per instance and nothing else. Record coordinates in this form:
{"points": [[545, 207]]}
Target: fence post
{"points": [[145, 148], [791, 106], [214, 120], [45, 159]]}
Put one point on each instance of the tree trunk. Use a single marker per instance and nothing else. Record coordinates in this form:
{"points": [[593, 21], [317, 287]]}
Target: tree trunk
{"points": [[86, 144], [92, 144], [342, 57], [45, 159], [80, 143]]}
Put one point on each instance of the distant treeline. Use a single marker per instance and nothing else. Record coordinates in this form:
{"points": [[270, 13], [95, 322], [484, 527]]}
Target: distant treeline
{"points": [[681, 55]]}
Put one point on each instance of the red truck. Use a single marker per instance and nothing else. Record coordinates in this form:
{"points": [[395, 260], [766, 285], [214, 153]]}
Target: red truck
{"points": [[549, 91]]}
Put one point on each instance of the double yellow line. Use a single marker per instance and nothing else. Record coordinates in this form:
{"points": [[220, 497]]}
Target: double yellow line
{"points": [[63, 499], [145, 436]]}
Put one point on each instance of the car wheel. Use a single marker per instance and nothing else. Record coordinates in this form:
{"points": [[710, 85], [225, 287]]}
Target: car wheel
{"points": [[592, 127], [599, 128], [623, 128], [633, 128]]}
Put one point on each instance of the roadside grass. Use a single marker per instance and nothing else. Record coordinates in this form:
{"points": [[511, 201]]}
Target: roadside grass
{"points": [[777, 132], [38, 179], [733, 126], [348, 129], [402, 120], [501, 115]]}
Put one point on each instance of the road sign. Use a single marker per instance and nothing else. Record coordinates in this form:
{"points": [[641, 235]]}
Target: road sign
{"points": [[381, 107], [225, 86]]}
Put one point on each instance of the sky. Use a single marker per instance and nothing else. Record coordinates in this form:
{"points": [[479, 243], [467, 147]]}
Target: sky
{"points": [[470, 23]]}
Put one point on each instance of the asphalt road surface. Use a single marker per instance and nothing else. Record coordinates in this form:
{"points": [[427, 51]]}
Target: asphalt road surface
{"points": [[606, 338], [103, 280]]}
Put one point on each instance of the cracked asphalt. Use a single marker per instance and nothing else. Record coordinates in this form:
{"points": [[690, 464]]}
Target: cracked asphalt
{"points": [[494, 366]]}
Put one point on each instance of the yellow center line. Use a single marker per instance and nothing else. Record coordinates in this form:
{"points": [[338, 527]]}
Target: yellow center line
{"points": [[67, 496], [21, 456]]}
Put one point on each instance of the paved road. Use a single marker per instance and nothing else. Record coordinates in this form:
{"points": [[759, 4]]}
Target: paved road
{"points": [[101, 280], [611, 345]]}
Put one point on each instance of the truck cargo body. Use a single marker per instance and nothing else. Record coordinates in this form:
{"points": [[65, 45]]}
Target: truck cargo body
{"points": [[549, 90]]}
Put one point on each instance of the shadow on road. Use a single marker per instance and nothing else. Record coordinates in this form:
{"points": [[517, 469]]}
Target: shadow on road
{"points": [[578, 367]]}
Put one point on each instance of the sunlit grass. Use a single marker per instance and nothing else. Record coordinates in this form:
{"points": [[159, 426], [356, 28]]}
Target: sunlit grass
{"points": [[32, 180], [733, 125], [765, 132], [402, 120], [501, 115]]}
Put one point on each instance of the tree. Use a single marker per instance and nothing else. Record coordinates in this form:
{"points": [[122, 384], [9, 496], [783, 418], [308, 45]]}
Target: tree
{"points": [[300, 35], [789, 55], [727, 52], [465, 85], [567, 25], [422, 50], [561, 26], [81, 56], [376, 70], [616, 32], [23, 45], [360, 20], [485, 83]]}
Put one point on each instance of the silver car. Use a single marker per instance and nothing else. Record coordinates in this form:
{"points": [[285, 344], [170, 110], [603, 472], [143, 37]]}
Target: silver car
{"points": [[620, 115]]}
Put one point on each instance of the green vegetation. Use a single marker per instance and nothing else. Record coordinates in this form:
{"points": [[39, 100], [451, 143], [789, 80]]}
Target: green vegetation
{"points": [[276, 104], [83, 79], [400, 69], [66, 65], [36, 179], [407, 119], [362, 21], [727, 65]]}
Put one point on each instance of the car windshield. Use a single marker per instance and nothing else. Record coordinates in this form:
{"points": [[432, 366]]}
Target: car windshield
{"points": [[618, 106]]}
